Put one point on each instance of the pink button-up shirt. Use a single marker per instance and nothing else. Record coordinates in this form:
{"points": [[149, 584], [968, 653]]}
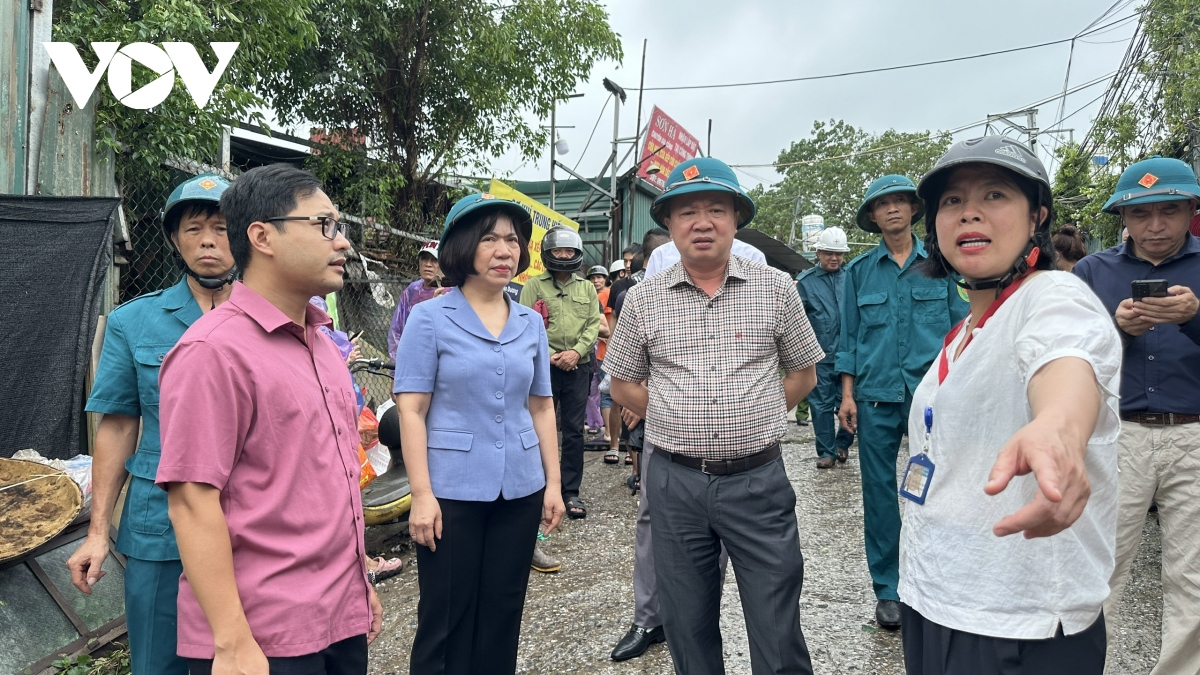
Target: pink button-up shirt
{"points": [[263, 410]]}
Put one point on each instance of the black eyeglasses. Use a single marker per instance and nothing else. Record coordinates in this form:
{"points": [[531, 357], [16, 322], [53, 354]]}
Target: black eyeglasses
{"points": [[330, 226]]}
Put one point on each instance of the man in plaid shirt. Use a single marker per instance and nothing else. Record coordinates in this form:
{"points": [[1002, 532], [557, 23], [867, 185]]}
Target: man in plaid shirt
{"points": [[708, 336]]}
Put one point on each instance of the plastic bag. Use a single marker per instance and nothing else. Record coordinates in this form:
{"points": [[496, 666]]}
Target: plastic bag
{"points": [[79, 468], [368, 438], [606, 384]]}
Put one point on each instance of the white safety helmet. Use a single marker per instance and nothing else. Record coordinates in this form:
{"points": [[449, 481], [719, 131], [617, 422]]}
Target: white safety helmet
{"points": [[832, 239], [616, 266]]}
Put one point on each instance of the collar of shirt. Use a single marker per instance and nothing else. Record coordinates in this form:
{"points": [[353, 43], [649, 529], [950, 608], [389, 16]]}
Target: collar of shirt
{"points": [[881, 252], [734, 269], [270, 317], [1190, 247], [463, 315], [575, 278], [179, 301]]}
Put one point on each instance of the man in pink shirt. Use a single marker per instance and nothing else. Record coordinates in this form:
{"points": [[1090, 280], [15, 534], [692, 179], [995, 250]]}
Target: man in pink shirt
{"points": [[259, 456]]}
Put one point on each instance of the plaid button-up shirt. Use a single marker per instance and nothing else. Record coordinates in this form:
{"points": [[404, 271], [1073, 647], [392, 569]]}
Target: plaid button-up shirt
{"points": [[712, 363]]}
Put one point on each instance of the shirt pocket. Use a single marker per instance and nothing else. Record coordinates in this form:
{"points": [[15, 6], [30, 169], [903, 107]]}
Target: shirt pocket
{"points": [[529, 439], [929, 304], [449, 439], [581, 308], [146, 504], [873, 309], [149, 360]]}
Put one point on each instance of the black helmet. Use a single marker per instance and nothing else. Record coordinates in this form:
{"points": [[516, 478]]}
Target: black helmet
{"points": [[1030, 173], [562, 237]]}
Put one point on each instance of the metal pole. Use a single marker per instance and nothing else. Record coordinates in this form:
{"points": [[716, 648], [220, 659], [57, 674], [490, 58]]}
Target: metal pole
{"points": [[552, 140], [1033, 130], [710, 137], [637, 131], [795, 215], [616, 198]]}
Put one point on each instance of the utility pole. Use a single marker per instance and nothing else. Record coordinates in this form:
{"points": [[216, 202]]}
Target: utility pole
{"points": [[553, 139], [1005, 122]]}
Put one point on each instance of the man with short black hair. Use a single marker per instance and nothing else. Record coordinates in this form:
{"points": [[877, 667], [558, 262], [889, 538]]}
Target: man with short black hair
{"points": [[260, 450], [137, 336], [715, 416], [1158, 450]]}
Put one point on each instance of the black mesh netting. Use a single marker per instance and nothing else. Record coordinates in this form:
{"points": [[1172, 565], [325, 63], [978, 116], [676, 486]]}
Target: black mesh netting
{"points": [[52, 266]]}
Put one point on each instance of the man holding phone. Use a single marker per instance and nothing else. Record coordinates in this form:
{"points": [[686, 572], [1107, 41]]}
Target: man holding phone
{"points": [[1149, 284]]}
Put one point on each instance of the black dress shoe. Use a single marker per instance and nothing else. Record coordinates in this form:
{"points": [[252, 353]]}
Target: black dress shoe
{"points": [[887, 613], [636, 642]]}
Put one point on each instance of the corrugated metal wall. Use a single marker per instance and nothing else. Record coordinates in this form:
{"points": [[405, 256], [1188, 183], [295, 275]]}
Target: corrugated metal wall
{"points": [[637, 216], [14, 93], [570, 196]]}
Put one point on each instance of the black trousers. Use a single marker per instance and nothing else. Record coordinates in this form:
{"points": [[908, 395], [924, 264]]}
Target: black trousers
{"points": [[348, 657], [933, 649], [571, 389], [473, 587]]}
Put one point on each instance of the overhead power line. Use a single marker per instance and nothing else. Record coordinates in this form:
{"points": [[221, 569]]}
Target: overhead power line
{"points": [[885, 69], [923, 137]]}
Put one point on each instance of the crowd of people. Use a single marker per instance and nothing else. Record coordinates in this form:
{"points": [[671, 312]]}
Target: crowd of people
{"points": [[1049, 398]]}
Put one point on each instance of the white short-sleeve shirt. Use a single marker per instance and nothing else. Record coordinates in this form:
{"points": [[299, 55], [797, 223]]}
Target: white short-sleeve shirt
{"points": [[668, 254], [953, 570]]}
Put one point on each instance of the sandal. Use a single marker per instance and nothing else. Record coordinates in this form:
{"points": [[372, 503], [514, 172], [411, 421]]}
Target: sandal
{"points": [[634, 481], [575, 508], [611, 457], [628, 459], [384, 569]]}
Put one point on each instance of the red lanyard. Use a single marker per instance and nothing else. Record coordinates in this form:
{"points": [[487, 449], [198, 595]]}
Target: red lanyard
{"points": [[943, 362]]}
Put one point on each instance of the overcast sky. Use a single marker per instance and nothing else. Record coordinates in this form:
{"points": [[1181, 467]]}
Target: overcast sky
{"points": [[710, 41]]}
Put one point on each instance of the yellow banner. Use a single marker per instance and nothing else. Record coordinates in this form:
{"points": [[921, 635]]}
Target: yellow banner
{"points": [[543, 220]]}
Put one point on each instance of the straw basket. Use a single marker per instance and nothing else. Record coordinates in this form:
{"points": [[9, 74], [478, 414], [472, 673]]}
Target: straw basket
{"points": [[36, 503]]}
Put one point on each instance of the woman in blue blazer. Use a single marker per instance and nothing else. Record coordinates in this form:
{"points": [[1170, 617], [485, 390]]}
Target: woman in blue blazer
{"points": [[478, 429]]}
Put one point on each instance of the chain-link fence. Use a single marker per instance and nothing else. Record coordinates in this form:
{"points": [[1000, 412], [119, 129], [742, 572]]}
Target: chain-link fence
{"points": [[150, 261]]}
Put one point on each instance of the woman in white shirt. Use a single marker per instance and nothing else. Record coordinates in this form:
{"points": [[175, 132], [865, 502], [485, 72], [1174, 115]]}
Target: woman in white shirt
{"points": [[1022, 407]]}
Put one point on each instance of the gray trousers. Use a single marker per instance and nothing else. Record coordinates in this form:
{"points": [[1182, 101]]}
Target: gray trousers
{"points": [[646, 611], [753, 513]]}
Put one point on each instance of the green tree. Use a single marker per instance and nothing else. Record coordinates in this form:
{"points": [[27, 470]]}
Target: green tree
{"points": [[267, 30], [428, 86], [1080, 192], [1153, 108], [828, 173]]}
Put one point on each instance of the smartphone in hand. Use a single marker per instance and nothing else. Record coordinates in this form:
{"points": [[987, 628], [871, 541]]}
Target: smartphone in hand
{"points": [[1149, 288]]}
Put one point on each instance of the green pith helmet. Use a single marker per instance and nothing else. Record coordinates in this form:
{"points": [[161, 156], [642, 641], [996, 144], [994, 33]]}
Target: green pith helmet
{"points": [[485, 200], [203, 188], [1158, 179], [886, 185], [702, 174]]}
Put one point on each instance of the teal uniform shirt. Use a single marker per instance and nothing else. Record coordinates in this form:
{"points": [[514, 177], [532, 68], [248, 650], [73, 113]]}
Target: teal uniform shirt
{"points": [[821, 292], [893, 322], [137, 337]]}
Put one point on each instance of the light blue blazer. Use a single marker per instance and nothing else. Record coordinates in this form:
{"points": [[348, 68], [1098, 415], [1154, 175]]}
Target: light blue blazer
{"points": [[480, 434]]}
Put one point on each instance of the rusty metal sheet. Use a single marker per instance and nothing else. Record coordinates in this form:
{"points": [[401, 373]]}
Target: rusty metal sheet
{"points": [[70, 164], [14, 94]]}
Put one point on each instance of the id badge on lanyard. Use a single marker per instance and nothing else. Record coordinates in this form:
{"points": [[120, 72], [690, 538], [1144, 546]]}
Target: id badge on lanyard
{"points": [[919, 474]]}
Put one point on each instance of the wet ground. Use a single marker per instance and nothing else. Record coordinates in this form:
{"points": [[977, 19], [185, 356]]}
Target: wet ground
{"points": [[574, 618]]}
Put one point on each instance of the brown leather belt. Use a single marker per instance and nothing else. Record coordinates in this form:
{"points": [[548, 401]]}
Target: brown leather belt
{"points": [[1160, 419], [725, 467]]}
